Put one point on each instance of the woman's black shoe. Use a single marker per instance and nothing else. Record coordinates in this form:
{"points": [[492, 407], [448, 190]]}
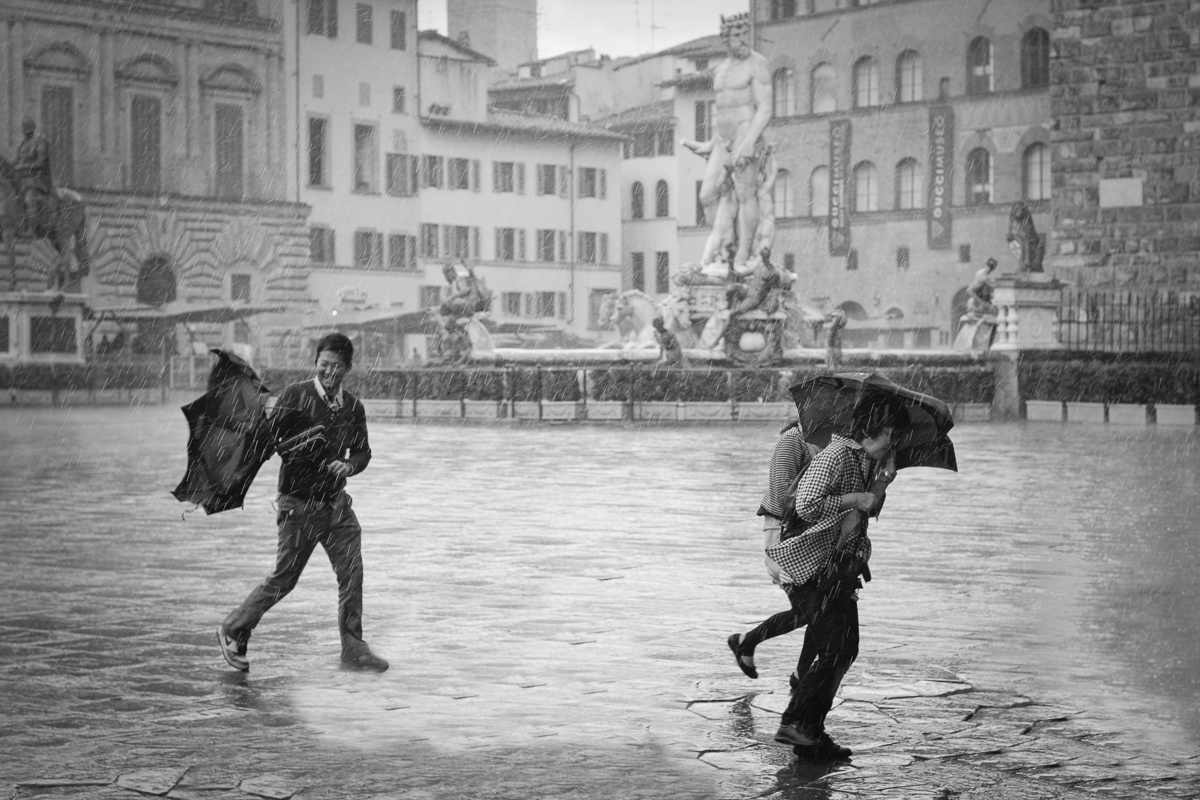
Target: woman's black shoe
{"points": [[748, 669]]}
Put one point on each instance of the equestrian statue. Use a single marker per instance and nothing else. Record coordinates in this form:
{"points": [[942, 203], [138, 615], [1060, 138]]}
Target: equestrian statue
{"points": [[31, 208]]}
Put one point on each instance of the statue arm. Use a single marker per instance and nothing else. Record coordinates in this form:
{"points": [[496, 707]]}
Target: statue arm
{"points": [[760, 82], [699, 148]]}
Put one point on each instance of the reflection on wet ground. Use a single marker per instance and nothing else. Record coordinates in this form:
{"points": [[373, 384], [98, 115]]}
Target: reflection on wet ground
{"points": [[554, 601]]}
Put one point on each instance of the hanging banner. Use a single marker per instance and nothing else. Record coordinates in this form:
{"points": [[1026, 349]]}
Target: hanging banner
{"points": [[839, 167], [941, 168]]}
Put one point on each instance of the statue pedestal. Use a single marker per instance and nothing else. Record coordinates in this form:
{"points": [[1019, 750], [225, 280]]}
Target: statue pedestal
{"points": [[1029, 312], [41, 328]]}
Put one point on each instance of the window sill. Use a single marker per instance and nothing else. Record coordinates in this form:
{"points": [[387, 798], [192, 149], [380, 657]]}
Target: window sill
{"points": [[366, 192], [321, 187]]}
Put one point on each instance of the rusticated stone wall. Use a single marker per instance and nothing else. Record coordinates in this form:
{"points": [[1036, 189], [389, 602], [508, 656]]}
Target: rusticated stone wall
{"points": [[1125, 97]]}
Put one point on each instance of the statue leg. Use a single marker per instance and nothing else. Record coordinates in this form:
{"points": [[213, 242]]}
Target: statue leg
{"points": [[713, 194], [746, 191]]}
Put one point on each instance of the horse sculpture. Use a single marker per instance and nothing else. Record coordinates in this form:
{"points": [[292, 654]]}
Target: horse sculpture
{"points": [[632, 313], [66, 226]]}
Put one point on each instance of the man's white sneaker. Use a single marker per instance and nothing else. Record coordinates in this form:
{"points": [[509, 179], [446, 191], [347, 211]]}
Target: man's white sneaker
{"points": [[235, 654]]}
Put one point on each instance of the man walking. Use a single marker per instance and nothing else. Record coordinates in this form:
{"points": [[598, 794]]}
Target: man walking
{"points": [[331, 426], [824, 564]]}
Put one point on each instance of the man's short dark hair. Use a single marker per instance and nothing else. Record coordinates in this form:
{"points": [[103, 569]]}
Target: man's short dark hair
{"points": [[871, 417], [338, 343]]}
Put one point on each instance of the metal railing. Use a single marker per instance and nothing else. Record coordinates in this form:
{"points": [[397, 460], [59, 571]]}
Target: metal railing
{"points": [[1130, 322]]}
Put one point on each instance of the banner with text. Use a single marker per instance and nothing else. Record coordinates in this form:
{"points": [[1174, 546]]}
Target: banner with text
{"points": [[941, 169], [839, 167]]}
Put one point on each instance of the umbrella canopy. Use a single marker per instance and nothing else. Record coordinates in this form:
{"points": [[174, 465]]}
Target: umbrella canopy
{"points": [[827, 403], [229, 437]]}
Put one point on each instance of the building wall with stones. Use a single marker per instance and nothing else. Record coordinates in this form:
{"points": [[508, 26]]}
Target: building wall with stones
{"points": [[167, 118], [1126, 169]]}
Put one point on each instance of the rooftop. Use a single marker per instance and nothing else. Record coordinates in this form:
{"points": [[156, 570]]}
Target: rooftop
{"points": [[640, 116], [692, 80], [474, 55], [510, 84], [704, 47], [517, 123]]}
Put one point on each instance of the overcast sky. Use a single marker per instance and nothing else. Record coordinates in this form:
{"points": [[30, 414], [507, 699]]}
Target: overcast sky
{"points": [[613, 27]]}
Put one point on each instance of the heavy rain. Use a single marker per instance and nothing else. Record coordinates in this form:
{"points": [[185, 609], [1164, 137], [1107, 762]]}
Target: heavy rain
{"points": [[431, 399]]}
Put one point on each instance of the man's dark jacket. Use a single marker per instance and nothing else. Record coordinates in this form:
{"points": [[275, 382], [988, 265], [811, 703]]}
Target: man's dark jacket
{"points": [[303, 473]]}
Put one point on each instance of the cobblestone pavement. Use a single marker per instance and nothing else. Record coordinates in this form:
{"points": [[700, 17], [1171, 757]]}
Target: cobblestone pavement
{"points": [[554, 601]]}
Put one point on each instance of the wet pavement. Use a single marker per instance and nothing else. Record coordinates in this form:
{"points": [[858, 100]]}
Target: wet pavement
{"points": [[554, 601]]}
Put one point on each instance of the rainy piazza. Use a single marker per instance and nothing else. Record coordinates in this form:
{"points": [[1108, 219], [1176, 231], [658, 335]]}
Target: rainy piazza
{"points": [[652, 261]]}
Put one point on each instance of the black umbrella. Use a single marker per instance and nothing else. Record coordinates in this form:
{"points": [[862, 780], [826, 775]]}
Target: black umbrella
{"points": [[229, 437], [827, 403]]}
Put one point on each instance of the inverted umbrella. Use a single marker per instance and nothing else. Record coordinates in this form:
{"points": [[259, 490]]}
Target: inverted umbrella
{"points": [[229, 437], [827, 404]]}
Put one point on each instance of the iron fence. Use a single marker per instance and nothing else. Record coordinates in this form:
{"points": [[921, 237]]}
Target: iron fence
{"points": [[1130, 322]]}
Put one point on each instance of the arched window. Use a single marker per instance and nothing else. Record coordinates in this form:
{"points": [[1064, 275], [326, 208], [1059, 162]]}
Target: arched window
{"points": [[979, 66], [155, 284], [853, 310], [979, 177], [866, 83], [908, 184], [823, 89], [661, 200], [866, 187], [782, 195], [1035, 59], [910, 78], [818, 192], [638, 201], [784, 93], [1037, 172]]}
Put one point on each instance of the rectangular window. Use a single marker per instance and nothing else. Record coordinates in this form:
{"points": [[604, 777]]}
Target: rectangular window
{"points": [[637, 274], [666, 142], [964, 254], [145, 144], [588, 183], [643, 145], [431, 172], [58, 123], [318, 152], [320, 245], [506, 244], [460, 173], [318, 87], [365, 166], [545, 245], [322, 18], [362, 17], [902, 258], [503, 177], [4, 334], [547, 182], [700, 218], [429, 240], [399, 104], [562, 305], [510, 302], [431, 296], [52, 334], [587, 248], [401, 175], [460, 242], [545, 303], [662, 272], [402, 252], [228, 136], [368, 249], [703, 120], [239, 287], [399, 30], [364, 94], [852, 260]]}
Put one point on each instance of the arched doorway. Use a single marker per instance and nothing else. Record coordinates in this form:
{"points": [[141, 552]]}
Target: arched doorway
{"points": [[156, 282], [853, 310]]}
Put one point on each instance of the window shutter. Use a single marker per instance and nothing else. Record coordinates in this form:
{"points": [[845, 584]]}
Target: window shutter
{"points": [[604, 248], [579, 181], [562, 305], [377, 255], [475, 175], [521, 244], [495, 177], [562, 246], [603, 184], [332, 18], [447, 240], [475, 243], [520, 177], [563, 175], [499, 243]]}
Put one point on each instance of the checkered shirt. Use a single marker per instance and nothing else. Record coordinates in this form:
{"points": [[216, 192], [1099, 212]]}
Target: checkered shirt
{"points": [[841, 468]]}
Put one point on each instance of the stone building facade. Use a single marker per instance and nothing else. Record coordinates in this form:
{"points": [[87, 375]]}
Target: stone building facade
{"points": [[167, 118], [1126, 167]]}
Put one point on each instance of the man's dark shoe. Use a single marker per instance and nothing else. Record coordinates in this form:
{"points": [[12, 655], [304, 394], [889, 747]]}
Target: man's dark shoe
{"points": [[361, 657], [826, 749], [745, 666], [233, 651], [793, 735], [793, 682]]}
